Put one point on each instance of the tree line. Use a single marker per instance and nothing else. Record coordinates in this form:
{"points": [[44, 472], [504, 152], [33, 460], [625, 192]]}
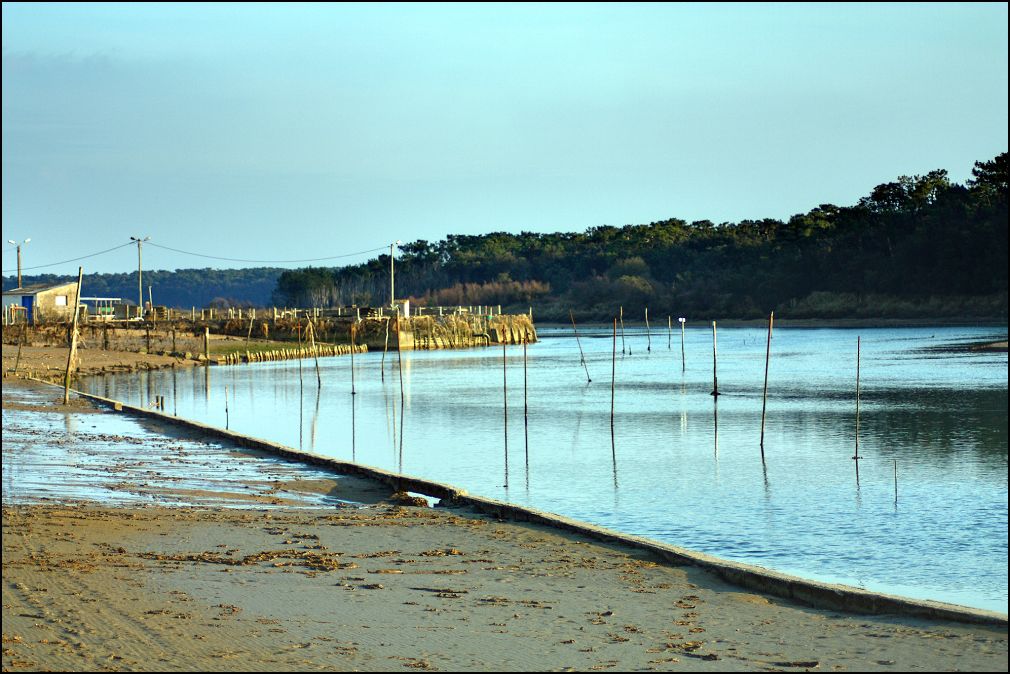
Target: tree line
{"points": [[918, 246]]}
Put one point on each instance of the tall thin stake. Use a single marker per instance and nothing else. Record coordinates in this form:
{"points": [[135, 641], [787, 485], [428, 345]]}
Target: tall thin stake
{"points": [[21, 341], [613, 380], [73, 338], [353, 392], [764, 397], [582, 356], [526, 406], [648, 331], [399, 364], [683, 361], [315, 353], [505, 404], [622, 330], [669, 333], [226, 417], [858, 357], [382, 367], [715, 362], [895, 482]]}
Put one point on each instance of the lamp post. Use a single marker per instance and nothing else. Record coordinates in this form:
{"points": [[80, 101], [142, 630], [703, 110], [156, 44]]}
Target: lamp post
{"points": [[23, 243], [140, 275], [392, 293]]}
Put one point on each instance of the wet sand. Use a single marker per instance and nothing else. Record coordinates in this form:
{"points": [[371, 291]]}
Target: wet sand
{"points": [[266, 565]]}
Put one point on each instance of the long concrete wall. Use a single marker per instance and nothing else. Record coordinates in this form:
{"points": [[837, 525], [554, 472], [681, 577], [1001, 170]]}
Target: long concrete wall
{"points": [[808, 592]]}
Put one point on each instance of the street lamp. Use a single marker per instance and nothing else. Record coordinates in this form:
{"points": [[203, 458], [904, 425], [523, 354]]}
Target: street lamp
{"points": [[392, 294], [15, 243], [140, 275]]}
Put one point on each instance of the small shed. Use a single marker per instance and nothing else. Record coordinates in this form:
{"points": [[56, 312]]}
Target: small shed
{"points": [[41, 303]]}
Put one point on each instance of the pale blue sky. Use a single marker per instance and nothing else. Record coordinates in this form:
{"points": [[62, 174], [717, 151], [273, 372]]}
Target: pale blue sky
{"points": [[268, 132]]}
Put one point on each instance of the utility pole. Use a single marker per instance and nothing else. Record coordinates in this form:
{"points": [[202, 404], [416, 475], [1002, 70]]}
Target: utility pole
{"points": [[392, 293], [140, 274], [23, 243]]}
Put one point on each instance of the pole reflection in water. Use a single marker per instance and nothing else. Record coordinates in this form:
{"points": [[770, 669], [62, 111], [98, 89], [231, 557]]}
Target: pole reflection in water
{"points": [[354, 444], [402, 424], [715, 423], [315, 419]]}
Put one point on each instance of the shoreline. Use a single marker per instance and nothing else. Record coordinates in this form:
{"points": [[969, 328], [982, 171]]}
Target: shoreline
{"points": [[817, 594]]}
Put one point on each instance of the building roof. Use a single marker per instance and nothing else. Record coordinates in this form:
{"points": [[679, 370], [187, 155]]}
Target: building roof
{"points": [[38, 288]]}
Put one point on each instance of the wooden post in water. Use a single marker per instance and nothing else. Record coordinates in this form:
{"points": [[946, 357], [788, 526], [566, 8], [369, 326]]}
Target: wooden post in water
{"points": [[353, 392], [683, 361], [505, 407], [622, 330], [315, 353], [206, 343], [385, 347], [226, 417], [669, 333], [399, 362], [858, 356], [582, 356], [895, 482], [73, 338], [764, 397], [715, 362], [21, 341], [526, 407], [648, 331], [613, 379]]}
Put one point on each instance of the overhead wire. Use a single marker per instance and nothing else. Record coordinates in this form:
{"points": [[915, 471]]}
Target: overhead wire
{"points": [[235, 259], [186, 252], [75, 259]]}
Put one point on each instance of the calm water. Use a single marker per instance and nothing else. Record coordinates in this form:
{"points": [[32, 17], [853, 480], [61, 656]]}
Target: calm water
{"points": [[683, 468]]}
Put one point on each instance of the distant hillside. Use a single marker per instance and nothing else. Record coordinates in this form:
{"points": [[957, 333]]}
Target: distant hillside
{"points": [[179, 288]]}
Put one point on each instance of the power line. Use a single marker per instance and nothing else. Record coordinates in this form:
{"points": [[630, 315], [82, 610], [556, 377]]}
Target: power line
{"points": [[83, 257], [186, 252], [234, 259]]}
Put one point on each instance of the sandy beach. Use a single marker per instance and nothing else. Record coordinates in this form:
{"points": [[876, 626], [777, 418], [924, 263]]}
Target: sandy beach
{"points": [[142, 548]]}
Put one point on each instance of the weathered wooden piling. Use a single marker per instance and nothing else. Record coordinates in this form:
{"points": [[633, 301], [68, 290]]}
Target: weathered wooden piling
{"points": [[582, 356], [622, 330], [353, 392], [315, 353], [613, 380], [73, 338], [858, 357], [683, 360], [505, 407], [648, 331], [895, 482], [385, 347], [715, 362], [226, 417], [526, 409], [669, 333], [764, 396], [21, 341]]}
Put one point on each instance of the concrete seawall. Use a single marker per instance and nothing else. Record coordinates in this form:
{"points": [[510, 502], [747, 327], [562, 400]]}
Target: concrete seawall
{"points": [[808, 592]]}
